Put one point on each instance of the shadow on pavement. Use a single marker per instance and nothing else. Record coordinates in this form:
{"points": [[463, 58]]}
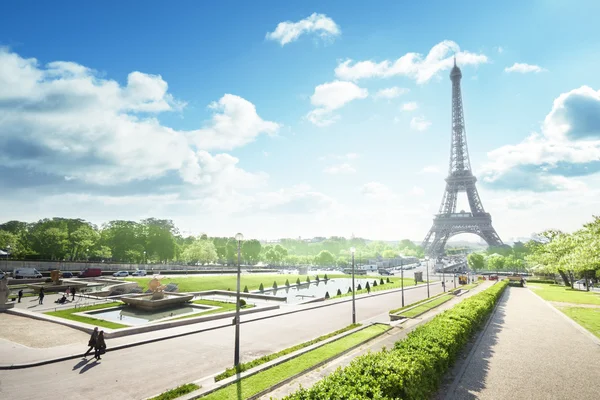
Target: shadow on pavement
{"points": [[80, 364], [473, 380], [89, 366]]}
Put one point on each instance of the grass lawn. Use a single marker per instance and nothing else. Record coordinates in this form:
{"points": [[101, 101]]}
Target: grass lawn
{"points": [[177, 392], [564, 294], [420, 309], [69, 314], [395, 311], [267, 378], [395, 283], [589, 318], [264, 359], [225, 282]]}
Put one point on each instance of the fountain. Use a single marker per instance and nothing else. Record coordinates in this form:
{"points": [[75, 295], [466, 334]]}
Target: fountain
{"points": [[157, 299]]}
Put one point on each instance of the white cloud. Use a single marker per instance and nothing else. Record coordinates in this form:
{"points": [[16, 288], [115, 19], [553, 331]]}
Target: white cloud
{"points": [[338, 169], [331, 96], [62, 119], [524, 68], [410, 106], [376, 190], [417, 191], [391, 93], [347, 156], [412, 65], [419, 124], [320, 24], [500, 49], [567, 148], [430, 169]]}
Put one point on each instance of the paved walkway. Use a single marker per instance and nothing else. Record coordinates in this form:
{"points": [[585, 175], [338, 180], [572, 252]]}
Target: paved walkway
{"points": [[530, 351]]}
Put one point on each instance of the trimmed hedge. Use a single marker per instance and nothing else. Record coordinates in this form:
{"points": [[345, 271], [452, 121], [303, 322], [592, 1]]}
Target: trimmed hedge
{"points": [[416, 365], [540, 281]]}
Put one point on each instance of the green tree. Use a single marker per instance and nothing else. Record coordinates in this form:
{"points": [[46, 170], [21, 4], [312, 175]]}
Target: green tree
{"points": [[200, 251], [389, 253], [476, 261], [495, 262], [325, 258], [251, 251]]}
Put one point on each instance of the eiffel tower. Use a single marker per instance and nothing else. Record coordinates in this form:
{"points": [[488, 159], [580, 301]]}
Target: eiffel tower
{"points": [[448, 222]]}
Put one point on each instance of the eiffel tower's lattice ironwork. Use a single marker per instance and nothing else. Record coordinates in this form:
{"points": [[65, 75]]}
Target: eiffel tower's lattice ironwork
{"points": [[448, 222]]}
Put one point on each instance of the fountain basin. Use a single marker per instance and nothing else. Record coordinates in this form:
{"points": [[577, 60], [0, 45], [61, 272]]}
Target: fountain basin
{"points": [[146, 302]]}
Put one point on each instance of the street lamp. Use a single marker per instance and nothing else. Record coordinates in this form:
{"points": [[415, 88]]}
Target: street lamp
{"points": [[236, 355], [352, 250], [427, 268], [402, 280], [6, 257]]}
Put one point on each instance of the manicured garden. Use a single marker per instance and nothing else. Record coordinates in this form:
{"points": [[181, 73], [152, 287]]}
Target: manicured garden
{"points": [[564, 294], [264, 359], [177, 392], [424, 307], [229, 282], [415, 366], [70, 315], [378, 283], [269, 377]]}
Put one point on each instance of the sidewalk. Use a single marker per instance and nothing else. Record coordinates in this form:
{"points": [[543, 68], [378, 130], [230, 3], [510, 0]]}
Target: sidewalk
{"points": [[387, 340], [529, 351]]}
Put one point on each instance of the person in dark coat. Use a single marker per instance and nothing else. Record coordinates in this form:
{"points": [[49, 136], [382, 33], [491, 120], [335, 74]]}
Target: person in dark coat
{"points": [[100, 347], [42, 294], [73, 293], [20, 295], [92, 341]]}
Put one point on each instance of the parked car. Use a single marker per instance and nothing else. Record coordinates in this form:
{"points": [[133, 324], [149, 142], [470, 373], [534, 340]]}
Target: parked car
{"points": [[2, 274], [139, 272], [121, 274], [67, 274], [91, 273], [21, 273]]}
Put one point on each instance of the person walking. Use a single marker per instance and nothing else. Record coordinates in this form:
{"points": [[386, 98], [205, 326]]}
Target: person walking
{"points": [[42, 294], [73, 293], [92, 341], [100, 347], [20, 295]]}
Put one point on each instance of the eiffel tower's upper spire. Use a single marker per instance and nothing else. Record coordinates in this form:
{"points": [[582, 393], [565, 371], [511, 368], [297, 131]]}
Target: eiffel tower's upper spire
{"points": [[455, 72]]}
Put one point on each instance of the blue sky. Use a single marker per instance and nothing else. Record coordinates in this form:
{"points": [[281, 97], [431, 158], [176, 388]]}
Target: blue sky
{"points": [[193, 111]]}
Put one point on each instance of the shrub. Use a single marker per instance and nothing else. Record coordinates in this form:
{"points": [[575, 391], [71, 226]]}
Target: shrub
{"points": [[540, 281], [287, 282], [242, 303], [261, 287], [367, 286], [274, 284], [381, 282], [326, 278], [349, 290], [339, 292], [416, 365], [359, 287], [298, 281], [307, 279], [326, 295], [388, 280], [246, 289], [317, 278], [374, 283]]}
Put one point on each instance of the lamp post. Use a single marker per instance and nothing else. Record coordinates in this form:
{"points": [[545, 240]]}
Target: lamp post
{"points": [[236, 355], [443, 278], [352, 250], [402, 280], [6, 257], [427, 268]]}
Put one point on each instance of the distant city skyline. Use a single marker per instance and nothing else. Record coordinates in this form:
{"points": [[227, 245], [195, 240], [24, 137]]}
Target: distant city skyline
{"points": [[289, 120]]}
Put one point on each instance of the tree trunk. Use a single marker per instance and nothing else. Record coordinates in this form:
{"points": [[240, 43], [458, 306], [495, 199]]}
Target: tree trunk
{"points": [[564, 277]]}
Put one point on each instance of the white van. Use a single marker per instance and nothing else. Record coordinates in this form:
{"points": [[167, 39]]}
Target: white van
{"points": [[21, 273]]}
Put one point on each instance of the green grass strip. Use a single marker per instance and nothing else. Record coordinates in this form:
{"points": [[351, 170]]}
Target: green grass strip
{"points": [[589, 318], [564, 294], [254, 363], [223, 307], [393, 284], [418, 310], [415, 303], [267, 378], [177, 392], [69, 314]]}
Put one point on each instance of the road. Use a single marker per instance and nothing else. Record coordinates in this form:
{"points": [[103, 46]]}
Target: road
{"points": [[142, 371]]}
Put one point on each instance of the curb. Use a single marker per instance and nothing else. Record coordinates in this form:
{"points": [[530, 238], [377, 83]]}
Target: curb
{"points": [[128, 345]]}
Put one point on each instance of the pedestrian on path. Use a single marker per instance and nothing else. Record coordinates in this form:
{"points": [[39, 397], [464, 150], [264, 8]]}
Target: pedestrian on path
{"points": [[42, 294], [73, 293], [443, 286], [100, 347], [92, 341], [20, 295]]}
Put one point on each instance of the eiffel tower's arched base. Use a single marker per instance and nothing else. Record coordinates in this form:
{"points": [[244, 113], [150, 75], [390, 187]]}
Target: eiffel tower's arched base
{"points": [[446, 226]]}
